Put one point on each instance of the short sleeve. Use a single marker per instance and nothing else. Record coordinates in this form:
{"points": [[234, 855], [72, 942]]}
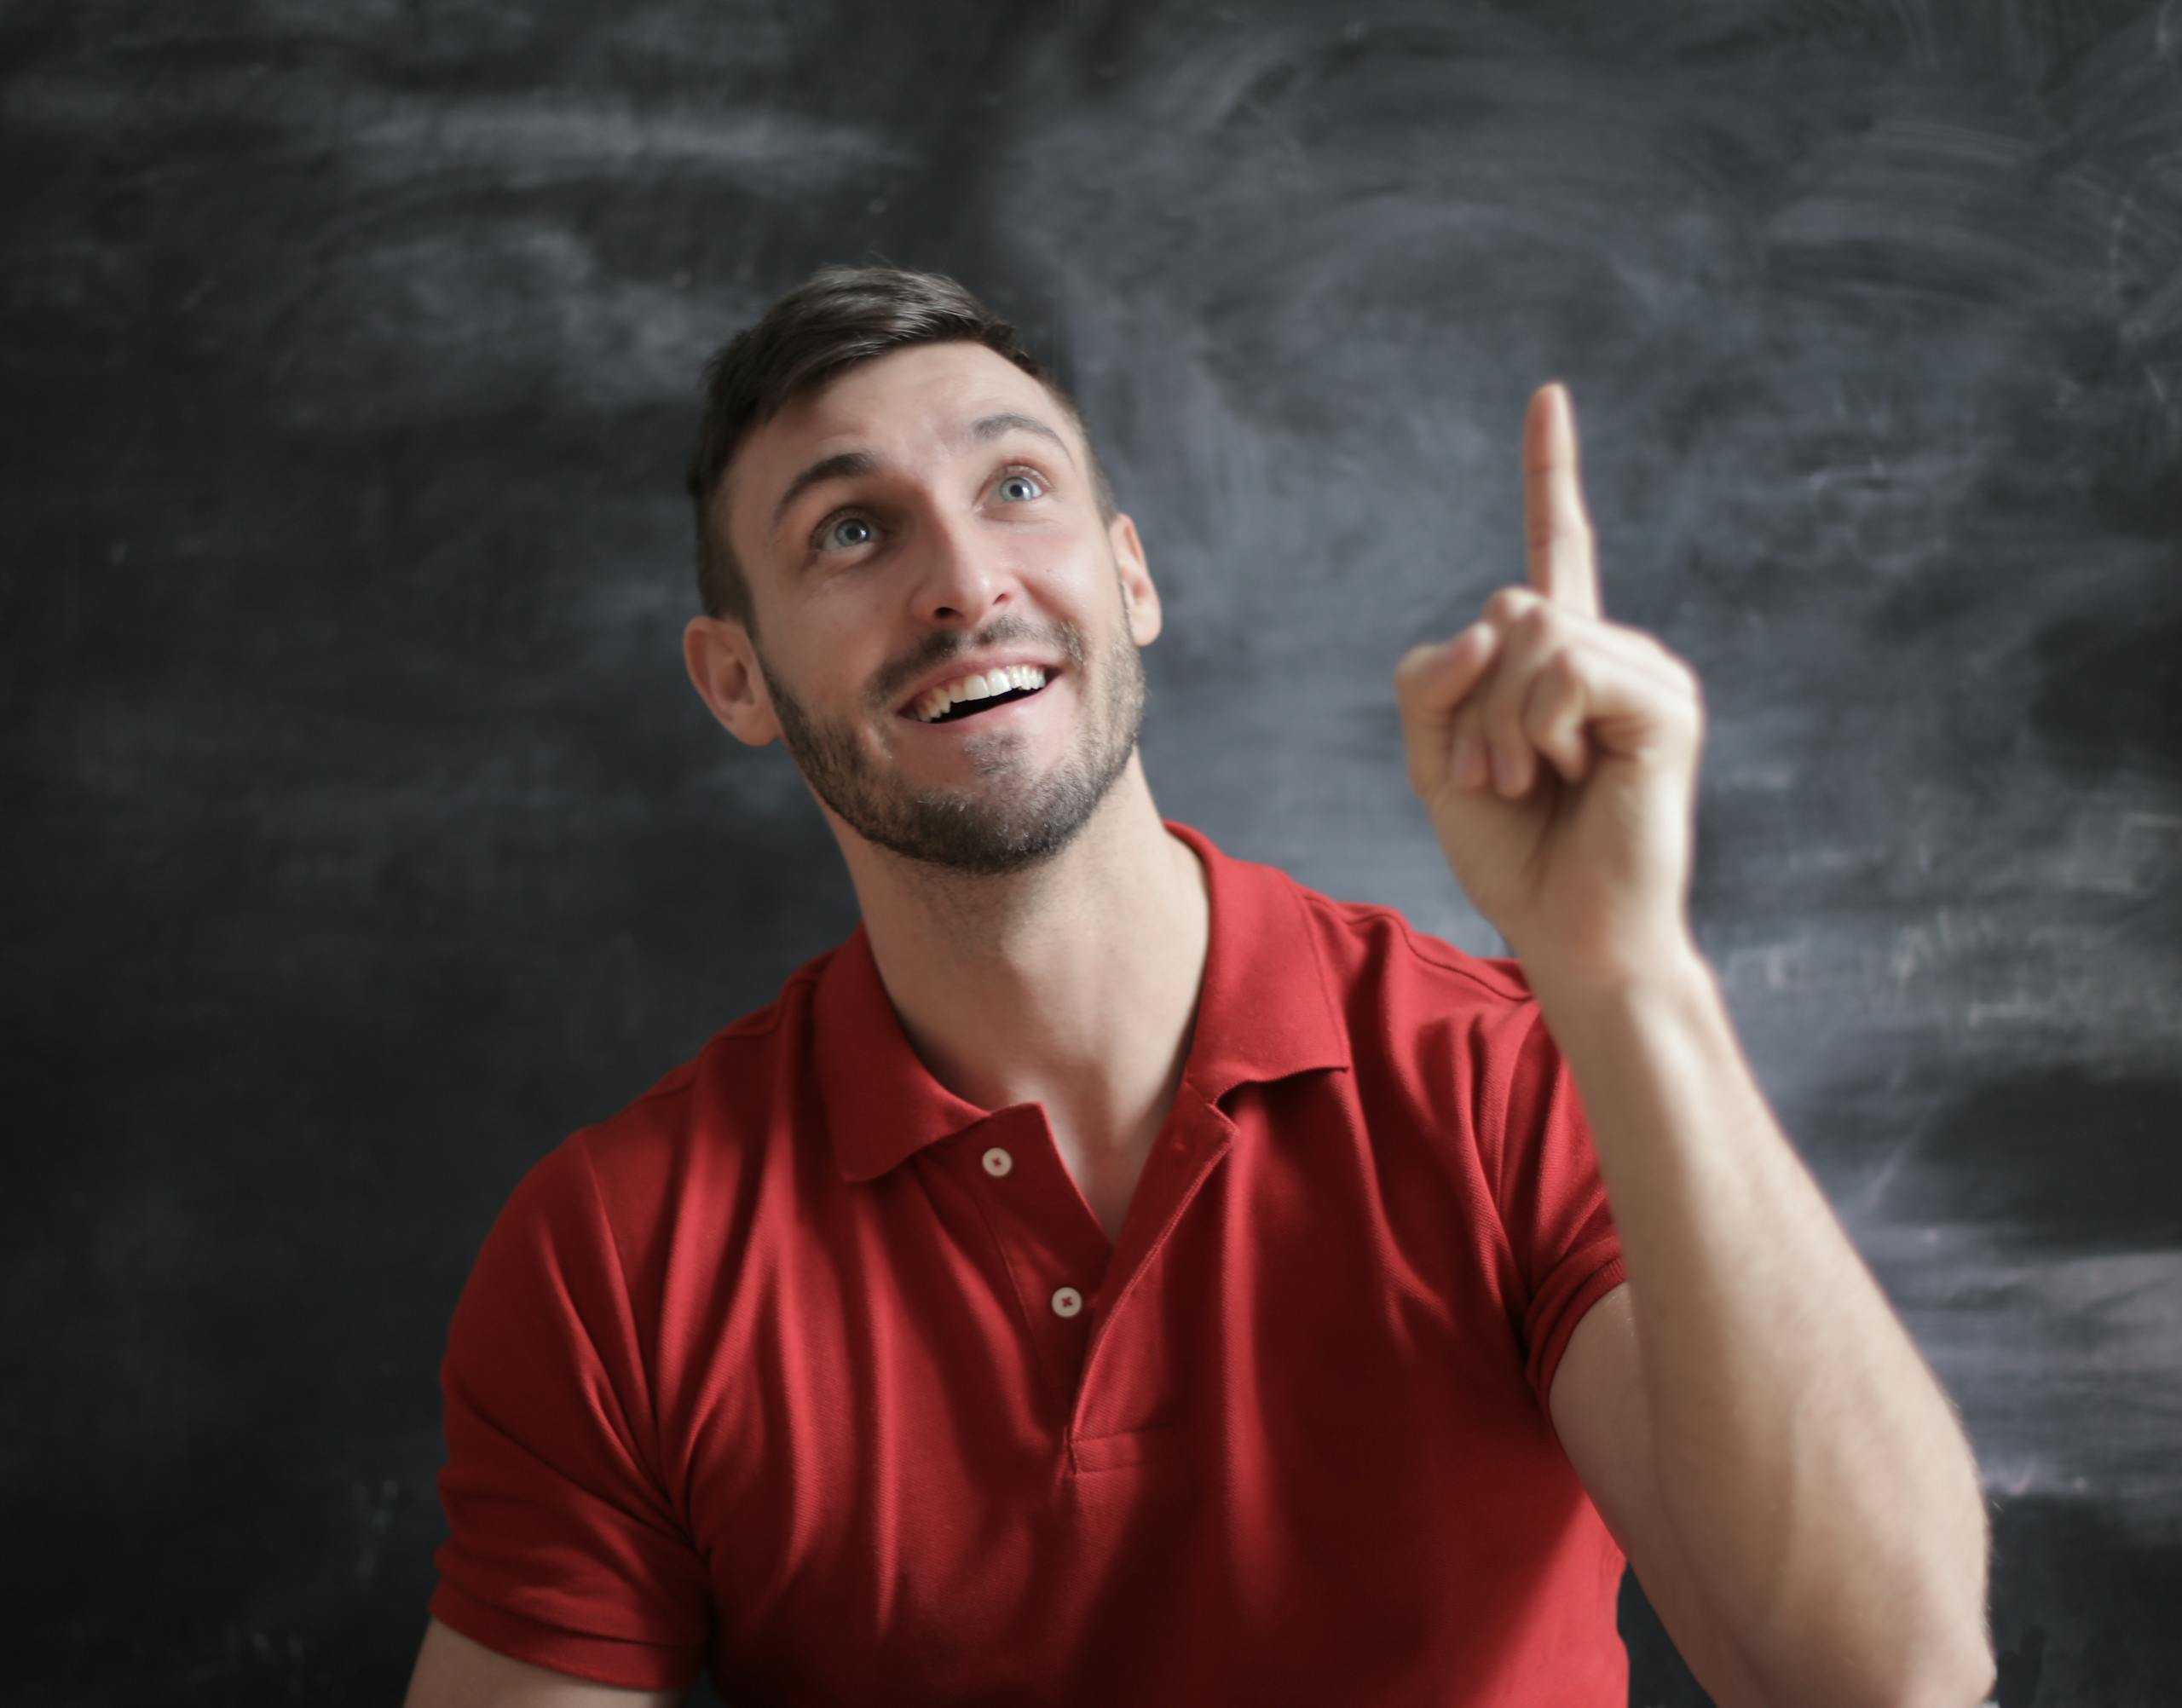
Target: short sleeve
{"points": [[1551, 1199], [563, 1549]]}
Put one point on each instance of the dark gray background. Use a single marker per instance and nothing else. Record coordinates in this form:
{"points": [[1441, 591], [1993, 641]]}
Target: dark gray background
{"points": [[364, 836]]}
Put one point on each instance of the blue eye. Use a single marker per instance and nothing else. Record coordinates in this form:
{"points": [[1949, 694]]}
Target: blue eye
{"points": [[830, 535], [1019, 479]]}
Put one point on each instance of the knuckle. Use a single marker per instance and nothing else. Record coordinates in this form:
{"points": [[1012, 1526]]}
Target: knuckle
{"points": [[1558, 527], [1505, 606]]}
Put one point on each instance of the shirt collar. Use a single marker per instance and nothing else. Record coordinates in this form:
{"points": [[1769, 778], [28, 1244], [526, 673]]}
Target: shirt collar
{"points": [[1267, 1010]]}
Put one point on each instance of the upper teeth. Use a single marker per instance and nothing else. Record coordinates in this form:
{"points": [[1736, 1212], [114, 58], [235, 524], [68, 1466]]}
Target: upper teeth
{"points": [[935, 701]]}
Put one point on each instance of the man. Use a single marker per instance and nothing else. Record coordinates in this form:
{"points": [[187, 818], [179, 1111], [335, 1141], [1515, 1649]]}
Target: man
{"points": [[1119, 1274]]}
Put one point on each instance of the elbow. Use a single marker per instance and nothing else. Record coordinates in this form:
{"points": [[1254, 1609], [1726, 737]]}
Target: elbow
{"points": [[1959, 1673], [1971, 1683], [1955, 1666], [1965, 1672], [1949, 1665]]}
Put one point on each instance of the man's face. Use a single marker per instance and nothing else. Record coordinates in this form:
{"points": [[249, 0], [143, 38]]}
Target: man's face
{"points": [[906, 525]]}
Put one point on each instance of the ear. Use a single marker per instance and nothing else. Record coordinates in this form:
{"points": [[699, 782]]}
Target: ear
{"points": [[1140, 598], [723, 667]]}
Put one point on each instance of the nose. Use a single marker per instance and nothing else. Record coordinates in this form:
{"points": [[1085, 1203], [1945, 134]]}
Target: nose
{"points": [[962, 579]]}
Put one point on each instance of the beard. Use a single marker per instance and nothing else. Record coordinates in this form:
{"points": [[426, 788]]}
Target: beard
{"points": [[1013, 817]]}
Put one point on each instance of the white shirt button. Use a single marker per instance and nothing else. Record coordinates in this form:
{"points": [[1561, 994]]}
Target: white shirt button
{"points": [[1067, 1301], [998, 1161]]}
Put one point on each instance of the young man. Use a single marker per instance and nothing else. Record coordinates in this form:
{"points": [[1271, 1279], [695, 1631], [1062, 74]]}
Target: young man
{"points": [[1118, 1273]]}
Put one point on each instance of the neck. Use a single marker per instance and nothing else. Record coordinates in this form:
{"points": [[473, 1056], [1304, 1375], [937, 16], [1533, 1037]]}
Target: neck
{"points": [[1073, 984]]}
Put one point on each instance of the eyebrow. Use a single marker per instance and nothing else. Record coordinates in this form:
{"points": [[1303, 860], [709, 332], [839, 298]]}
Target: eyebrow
{"points": [[848, 464]]}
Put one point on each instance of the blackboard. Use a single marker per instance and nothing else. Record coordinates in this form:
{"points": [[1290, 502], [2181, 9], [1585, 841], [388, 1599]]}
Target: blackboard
{"points": [[365, 837]]}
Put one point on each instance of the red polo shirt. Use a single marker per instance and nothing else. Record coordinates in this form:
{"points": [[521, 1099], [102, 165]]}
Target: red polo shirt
{"points": [[804, 1369]]}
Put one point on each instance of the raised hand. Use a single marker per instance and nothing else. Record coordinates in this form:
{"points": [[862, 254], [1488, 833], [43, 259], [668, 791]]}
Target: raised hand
{"points": [[1556, 753]]}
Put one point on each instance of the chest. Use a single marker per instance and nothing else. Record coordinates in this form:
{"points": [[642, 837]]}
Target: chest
{"points": [[1106, 1173], [1023, 1426]]}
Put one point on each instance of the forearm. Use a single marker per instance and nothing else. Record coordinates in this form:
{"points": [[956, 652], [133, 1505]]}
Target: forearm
{"points": [[1813, 1468]]}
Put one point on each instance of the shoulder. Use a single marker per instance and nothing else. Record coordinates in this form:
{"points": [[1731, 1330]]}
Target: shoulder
{"points": [[1370, 947], [712, 1095], [687, 1145], [1457, 1036]]}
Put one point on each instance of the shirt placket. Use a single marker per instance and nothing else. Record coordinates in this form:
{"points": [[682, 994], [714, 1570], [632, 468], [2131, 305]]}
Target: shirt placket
{"points": [[1128, 1382], [1083, 1297], [1055, 1251]]}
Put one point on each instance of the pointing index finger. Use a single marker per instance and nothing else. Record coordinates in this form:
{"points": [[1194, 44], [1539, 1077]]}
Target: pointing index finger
{"points": [[1563, 564]]}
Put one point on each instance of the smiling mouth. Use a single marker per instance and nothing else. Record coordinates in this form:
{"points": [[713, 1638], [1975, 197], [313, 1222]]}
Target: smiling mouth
{"points": [[969, 708], [963, 710]]}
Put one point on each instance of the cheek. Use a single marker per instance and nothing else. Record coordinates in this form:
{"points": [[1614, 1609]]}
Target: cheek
{"points": [[833, 656], [1055, 564]]}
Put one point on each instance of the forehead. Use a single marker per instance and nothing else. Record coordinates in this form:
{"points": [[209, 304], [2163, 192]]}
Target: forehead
{"points": [[903, 407], [922, 388]]}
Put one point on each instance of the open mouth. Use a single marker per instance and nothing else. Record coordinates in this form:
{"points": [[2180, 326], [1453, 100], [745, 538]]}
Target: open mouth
{"points": [[971, 708], [1021, 685]]}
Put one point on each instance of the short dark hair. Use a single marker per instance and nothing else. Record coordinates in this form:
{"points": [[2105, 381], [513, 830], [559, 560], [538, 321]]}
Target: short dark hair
{"points": [[838, 317]]}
